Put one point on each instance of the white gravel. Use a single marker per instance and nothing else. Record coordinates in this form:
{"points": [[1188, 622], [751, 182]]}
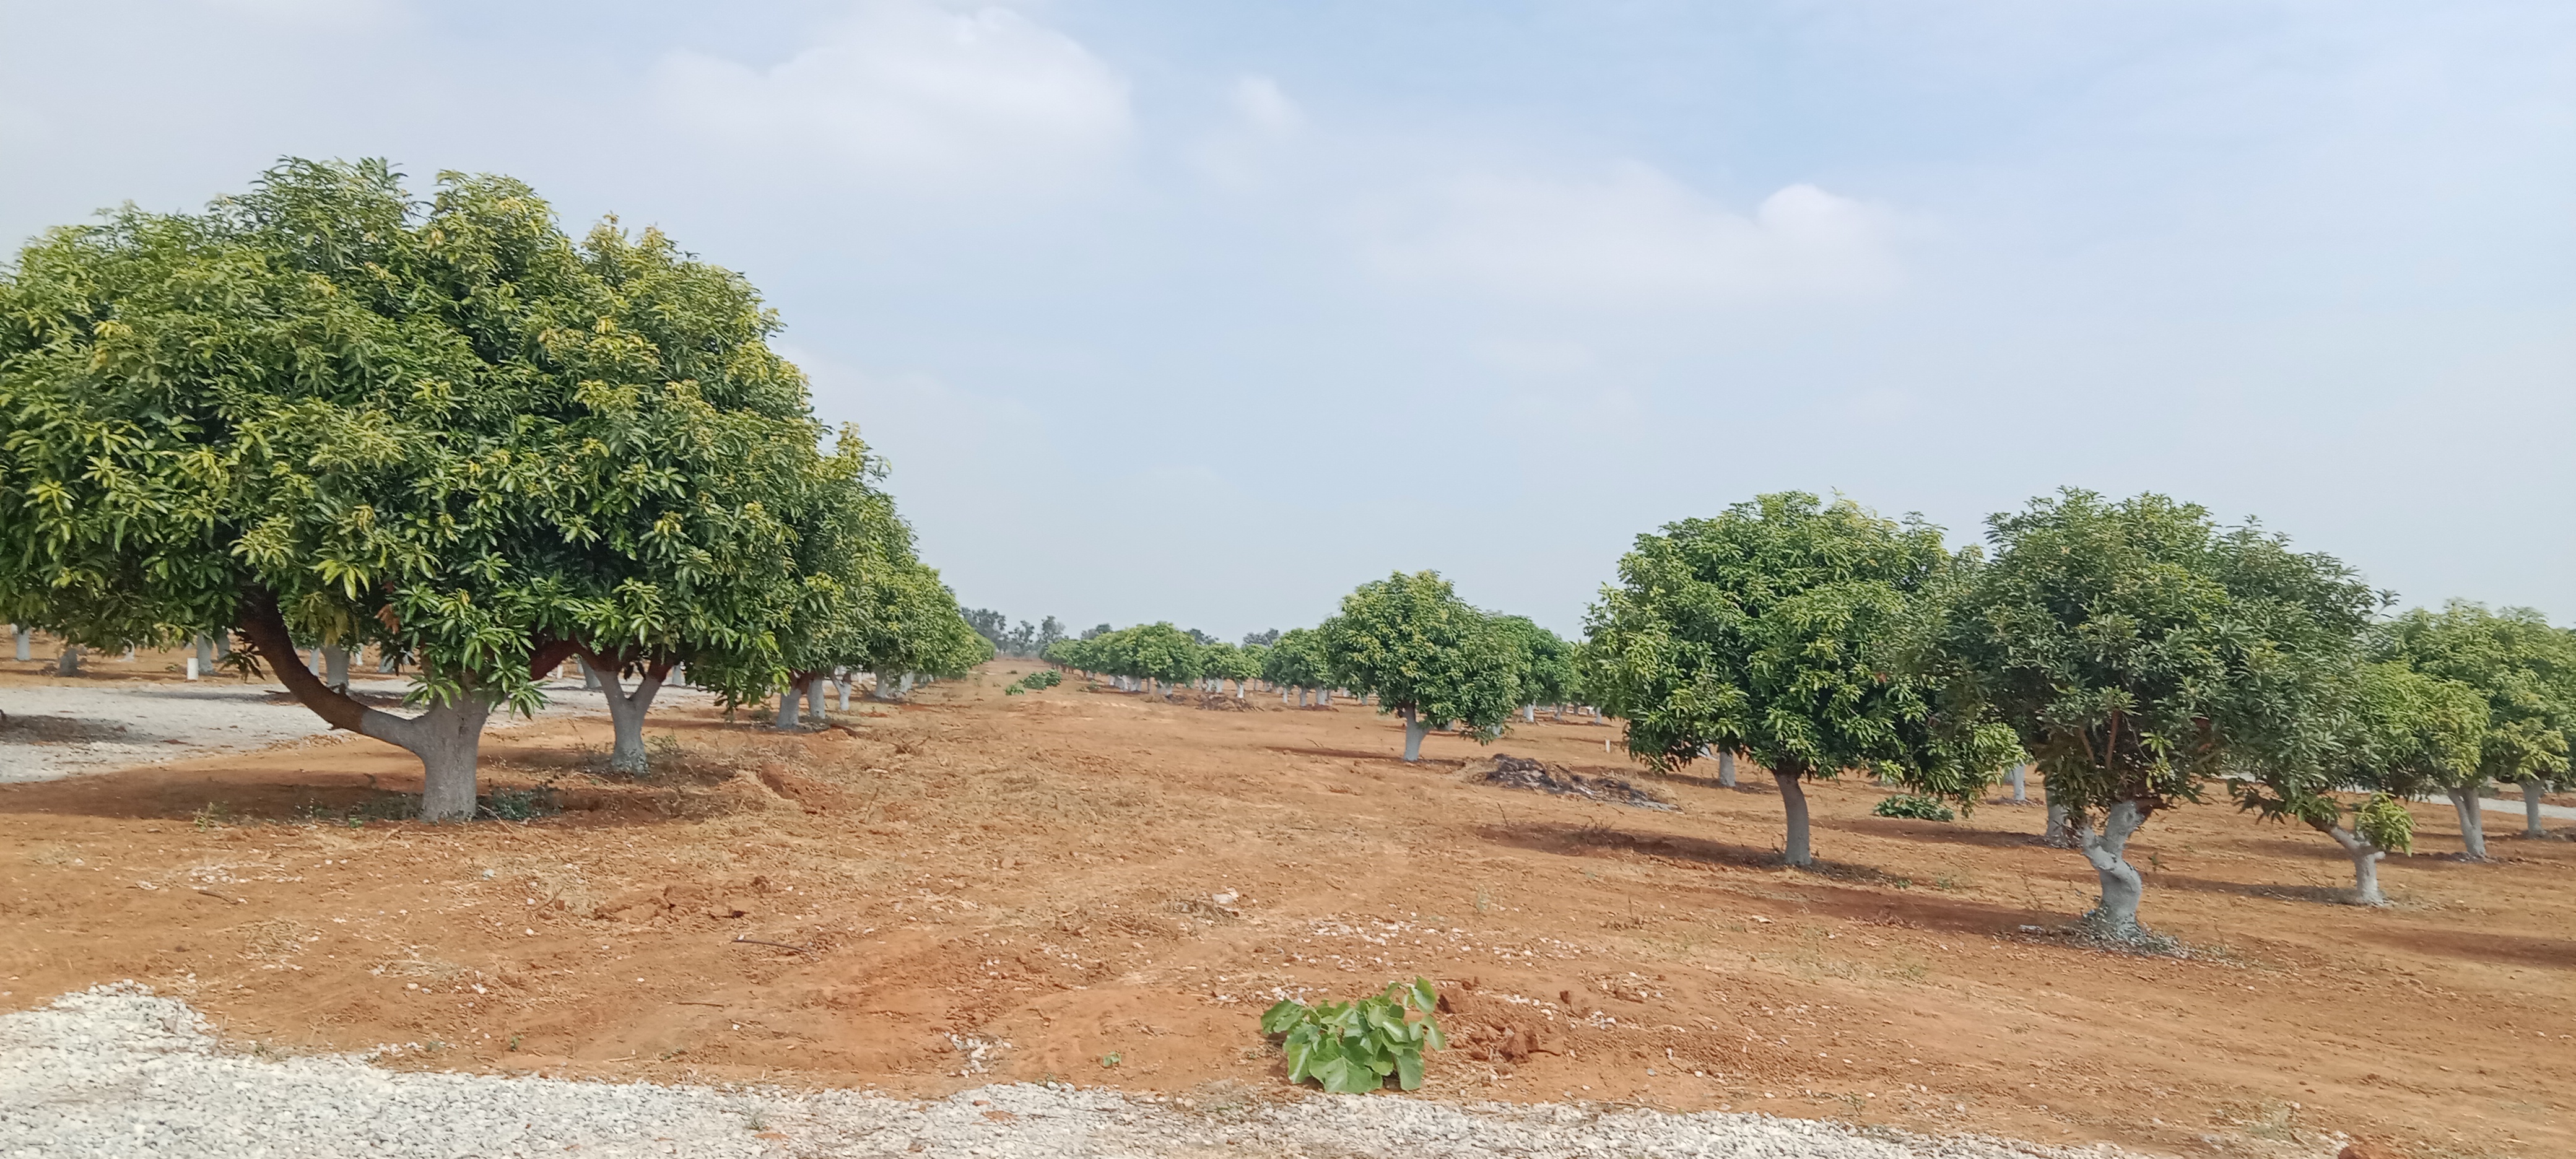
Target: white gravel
{"points": [[58, 730], [115, 1071]]}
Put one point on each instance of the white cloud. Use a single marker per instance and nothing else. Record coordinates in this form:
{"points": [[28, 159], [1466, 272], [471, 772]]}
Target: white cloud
{"points": [[1637, 236], [913, 93], [1261, 104]]}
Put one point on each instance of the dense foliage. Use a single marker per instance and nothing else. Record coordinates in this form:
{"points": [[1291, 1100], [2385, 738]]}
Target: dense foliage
{"points": [[324, 412], [2138, 648], [1783, 629], [1428, 656]]}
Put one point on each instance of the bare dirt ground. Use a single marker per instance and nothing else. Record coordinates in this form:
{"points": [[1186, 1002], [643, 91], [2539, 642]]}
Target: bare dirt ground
{"points": [[1099, 888]]}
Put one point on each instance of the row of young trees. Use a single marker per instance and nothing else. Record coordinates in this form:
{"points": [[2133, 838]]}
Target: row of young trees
{"points": [[1408, 641], [2136, 652], [325, 412]]}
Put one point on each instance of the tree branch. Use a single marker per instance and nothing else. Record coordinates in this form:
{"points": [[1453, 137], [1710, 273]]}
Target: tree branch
{"points": [[265, 627]]}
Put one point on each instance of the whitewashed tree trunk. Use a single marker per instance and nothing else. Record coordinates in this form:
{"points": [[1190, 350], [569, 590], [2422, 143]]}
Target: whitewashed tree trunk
{"points": [[2115, 914], [590, 681], [1287, 696], [1414, 729], [1726, 768], [68, 664], [1327, 698], [787, 698], [2473, 822], [626, 714], [841, 684], [2020, 778], [2365, 863], [2531, 794], [335, 666], [446, 738], [204, 646], [26, 644], [1529, 714], [814, 701], [1798, 850]]}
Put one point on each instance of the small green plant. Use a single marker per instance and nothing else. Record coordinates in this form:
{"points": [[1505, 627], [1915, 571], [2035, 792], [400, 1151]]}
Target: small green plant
{"points": [[514, 1040], [1112, 1058], [1041, 679], [1014, 690], [1351, 1047], [1918, 808], [215, 813], [519, 804]]}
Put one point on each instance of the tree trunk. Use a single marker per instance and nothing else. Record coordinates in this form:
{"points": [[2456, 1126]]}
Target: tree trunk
{"points": [[814, 700], [2473, 822], [387, 660], [1413, 732], [1793, 800], [1325, 699], [447, 736], [2021, 783], [26, 644], [2059, 831], [2531, 792], [590, 681], [68, 664], [2115, 914], [205, 649], [2365, 862], [841, 685], [1529, 714], [905, 684], [1726, 768], [787, 698], [335, 667], [626, 709]]}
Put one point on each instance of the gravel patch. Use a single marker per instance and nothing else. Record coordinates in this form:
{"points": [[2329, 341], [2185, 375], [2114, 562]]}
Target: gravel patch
{"points": [[58, 730], [116, 1071]]}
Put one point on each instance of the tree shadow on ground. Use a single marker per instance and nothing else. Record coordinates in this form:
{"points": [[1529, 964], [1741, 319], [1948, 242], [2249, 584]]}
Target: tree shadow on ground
{"points": [[2322, 894], [2515, 949], [1859, 893], [1428, 764]]}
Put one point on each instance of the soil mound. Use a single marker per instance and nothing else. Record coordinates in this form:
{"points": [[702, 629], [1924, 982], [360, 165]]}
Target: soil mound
{"points": [[1221, 702], [1513, 772]]}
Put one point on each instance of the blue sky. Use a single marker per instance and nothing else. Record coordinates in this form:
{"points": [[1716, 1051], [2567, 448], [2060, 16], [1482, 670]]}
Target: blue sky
{"points": [[1209, 312]]}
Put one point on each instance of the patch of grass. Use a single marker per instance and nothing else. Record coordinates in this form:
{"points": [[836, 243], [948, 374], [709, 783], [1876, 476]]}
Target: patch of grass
{"points": [[1915, 808], [214, 813], [518, 804]]}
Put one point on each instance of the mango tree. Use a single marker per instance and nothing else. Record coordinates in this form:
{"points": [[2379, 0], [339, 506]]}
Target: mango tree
{"points": [[1547, 664], [1294, 664], [2137, 648], [1782, 629], [2403, 735], [2526, 670], [1430, 657], [323, 411]]}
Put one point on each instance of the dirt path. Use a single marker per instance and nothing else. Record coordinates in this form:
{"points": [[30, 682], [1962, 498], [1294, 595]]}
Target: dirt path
{"points": [[1093, 888]]}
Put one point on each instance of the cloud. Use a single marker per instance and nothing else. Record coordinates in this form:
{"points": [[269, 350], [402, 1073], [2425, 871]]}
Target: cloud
{"points": [[1242, 154], [1261, 104], [912, 93], [1637, 236]]}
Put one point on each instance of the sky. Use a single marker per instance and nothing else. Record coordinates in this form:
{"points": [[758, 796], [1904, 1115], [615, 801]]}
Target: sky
{"points": [[1210, 312]]}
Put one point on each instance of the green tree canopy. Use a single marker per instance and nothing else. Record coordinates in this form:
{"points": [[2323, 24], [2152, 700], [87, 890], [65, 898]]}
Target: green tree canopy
{"points": [[2137, 648], [1547, 662], [2402, 735], [1295, 660], [2526, 670], [322, 410], [1429, 656], [1781, 629]]}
